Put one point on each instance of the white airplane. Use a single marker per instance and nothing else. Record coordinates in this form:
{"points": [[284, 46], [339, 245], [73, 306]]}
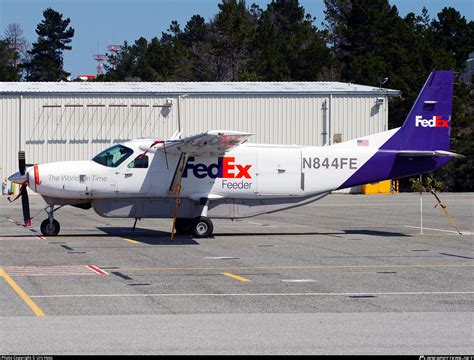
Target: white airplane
{"points": [[218, 175]]}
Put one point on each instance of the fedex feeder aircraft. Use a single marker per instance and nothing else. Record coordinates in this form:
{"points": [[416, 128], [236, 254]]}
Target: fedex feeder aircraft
{"points": [[218, 175]]}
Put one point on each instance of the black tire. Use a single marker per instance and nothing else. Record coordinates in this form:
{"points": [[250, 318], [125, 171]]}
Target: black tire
{"points": [[48, 229], [202, 227], [183, 226]]}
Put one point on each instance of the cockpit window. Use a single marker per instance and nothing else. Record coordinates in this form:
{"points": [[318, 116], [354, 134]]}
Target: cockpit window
{"points": [[140, 162], [113, 156]]}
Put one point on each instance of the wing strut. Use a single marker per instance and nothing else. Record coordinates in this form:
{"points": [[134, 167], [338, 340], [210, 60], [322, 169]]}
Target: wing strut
{"points": [[177, 186], [176, 205], [178, 172]]}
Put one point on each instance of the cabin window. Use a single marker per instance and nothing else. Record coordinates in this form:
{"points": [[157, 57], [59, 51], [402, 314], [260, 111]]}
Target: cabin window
{"points": [[113, 156], [140, 162]]}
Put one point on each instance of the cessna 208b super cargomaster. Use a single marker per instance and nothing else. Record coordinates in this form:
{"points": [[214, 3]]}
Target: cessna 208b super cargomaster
{"points": [[218, 175]]}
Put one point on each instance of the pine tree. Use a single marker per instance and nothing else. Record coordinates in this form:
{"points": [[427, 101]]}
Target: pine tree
{"points": [[47, 53], [232, 33], [288, 46], [8, 60], [454, 34]]}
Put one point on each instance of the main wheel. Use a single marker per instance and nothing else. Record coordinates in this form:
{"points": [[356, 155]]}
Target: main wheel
{"points": [[202, 227], [48, 229], [183, 226]]}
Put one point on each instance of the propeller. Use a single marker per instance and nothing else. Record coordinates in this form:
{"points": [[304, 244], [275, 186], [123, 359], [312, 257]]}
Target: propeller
{"points": [[25, 202]]}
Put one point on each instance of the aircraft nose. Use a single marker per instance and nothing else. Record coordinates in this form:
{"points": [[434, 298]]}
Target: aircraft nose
{"points": [[17, 178]]}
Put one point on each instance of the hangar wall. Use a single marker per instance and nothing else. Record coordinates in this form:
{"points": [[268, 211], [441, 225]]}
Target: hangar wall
{"points": [[53, 124]]}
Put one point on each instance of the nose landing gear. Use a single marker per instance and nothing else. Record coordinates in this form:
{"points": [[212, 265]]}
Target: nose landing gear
{"points": [[50, 226]]}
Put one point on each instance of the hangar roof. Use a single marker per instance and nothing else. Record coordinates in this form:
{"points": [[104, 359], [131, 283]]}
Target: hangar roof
{"points": [[194, 88]]}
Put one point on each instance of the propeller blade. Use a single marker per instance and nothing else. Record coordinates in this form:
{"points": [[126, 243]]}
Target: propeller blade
{"points": [[21, 162], [25, 201], [25, 204]]}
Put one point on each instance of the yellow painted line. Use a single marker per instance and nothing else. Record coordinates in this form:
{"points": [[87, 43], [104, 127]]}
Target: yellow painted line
{"points": [[22, 294], [132, 241], [236, 277]]}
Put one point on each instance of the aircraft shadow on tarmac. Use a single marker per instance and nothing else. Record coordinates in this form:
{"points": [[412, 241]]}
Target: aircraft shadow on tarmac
{"points": [[157, 237], [148, 236], [309, 233], [373, 233]]}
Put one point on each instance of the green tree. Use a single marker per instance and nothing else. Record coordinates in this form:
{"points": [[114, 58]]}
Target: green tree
{"points": [[458, 175], [123, 68], [365, 35], [47, 53], [197, 38], [288, 46], [8, 59], [232, 33], [452, 33]]}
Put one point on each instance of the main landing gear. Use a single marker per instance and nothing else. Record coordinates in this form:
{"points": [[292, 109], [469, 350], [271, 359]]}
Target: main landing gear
{"points": [[199, 227], [50, 226]]}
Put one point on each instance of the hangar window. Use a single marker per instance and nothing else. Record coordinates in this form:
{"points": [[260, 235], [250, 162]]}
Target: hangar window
{"points": [[140, 162], [113, 156]]}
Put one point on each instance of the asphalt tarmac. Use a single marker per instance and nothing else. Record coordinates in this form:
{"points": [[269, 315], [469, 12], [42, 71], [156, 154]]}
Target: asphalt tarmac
{"points": [[349, 274]]}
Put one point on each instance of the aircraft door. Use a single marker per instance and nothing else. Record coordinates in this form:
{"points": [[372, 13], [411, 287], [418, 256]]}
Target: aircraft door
{"points": [[132, 176], [279, 171]]}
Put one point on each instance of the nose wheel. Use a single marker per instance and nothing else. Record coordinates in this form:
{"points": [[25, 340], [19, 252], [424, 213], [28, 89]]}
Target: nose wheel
{"points": [[50, 228]]}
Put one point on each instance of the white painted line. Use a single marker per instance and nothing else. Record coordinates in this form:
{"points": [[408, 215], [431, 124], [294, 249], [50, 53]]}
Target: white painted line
{"points": [[299, 281], [221, 257], [18, 238], [430, 293], [265, 226], [62, 270], [448, 231]]}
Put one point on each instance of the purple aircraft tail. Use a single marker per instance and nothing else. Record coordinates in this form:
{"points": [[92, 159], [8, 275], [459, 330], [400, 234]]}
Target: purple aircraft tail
{"points": [[428, 124], [422, 143]]}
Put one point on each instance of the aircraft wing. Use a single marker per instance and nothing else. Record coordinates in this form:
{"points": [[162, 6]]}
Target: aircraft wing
{"points": [[213, 142]]}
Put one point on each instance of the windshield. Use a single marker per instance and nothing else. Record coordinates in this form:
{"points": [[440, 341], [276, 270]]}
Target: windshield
{"points": [[113, 156]]}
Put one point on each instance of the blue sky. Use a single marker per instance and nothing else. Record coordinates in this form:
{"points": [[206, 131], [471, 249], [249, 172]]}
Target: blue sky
{"points": [[99, 23]]}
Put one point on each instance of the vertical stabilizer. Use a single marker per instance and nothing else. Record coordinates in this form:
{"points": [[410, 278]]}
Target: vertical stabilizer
{"points": [[428, 124]]}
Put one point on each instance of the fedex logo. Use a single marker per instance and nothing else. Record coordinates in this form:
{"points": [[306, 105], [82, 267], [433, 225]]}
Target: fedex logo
{"points": [[225, 168], [436, 121]]}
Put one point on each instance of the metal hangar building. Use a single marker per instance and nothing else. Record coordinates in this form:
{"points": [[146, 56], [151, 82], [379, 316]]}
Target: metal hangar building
{"points": [[76, 120]]}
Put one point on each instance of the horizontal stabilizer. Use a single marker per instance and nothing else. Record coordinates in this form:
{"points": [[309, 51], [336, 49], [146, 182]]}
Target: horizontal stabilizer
{"points": [[429, 153]]}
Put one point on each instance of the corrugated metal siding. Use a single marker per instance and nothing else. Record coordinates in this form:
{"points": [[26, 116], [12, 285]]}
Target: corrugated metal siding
{"points": [[76, 128], [9, 144], [272, 119], [357, 116]]}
